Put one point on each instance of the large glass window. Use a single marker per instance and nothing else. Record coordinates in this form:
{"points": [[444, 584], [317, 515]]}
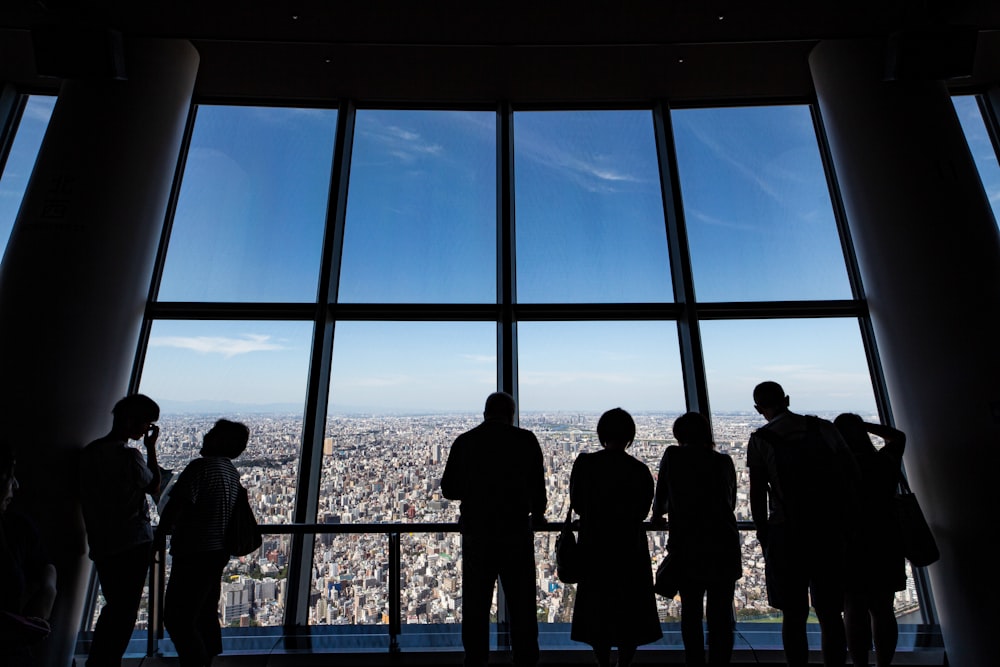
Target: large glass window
{"points": [[422, 327], [16, 169]]}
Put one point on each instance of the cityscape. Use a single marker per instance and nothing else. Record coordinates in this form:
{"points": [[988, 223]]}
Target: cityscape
{"points": [[387, 469]]}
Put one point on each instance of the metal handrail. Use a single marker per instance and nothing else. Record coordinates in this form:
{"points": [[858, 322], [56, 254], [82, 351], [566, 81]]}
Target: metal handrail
{"points": [[391, 530]]}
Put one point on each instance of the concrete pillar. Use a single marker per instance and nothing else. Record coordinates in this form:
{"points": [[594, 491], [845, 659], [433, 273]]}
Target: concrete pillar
{"points": [[74, 283], [929, 253]]}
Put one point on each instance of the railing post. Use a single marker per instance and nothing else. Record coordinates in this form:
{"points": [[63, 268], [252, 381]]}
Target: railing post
{"points": [[395, 605], [157, 585]]}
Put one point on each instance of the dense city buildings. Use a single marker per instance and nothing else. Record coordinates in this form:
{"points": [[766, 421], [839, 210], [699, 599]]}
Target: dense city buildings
{"points": [[382, 469]]}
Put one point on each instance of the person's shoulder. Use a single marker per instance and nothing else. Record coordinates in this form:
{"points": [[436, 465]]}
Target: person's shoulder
{"points": [[103, 444], [21, 523], [525, 433], [720, 456]]}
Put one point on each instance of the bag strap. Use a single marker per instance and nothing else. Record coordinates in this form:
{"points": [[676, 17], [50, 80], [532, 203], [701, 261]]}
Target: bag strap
{"points": [[569, 516]]}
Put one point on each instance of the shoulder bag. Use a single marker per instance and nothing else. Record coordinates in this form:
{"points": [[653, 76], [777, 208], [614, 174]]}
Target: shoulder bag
{"points": [[919, 545], [243, 535], [568, 557]]}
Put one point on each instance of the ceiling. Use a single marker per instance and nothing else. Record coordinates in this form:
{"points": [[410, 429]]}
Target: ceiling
{"points": [[477, 52]]}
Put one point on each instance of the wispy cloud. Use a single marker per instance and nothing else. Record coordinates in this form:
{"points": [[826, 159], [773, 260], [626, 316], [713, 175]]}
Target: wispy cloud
{"points": [[403, 144], [222, 345], [594, 173], [750, 173], [694, 214]]}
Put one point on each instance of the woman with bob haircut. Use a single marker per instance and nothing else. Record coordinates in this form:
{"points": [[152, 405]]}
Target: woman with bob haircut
{"points": [[612, 492]]}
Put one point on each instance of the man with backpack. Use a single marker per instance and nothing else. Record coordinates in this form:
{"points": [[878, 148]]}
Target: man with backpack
{"points": [[804, 501]]}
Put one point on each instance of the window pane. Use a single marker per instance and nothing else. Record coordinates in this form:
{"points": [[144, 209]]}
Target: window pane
{"points": [[351, 580], [756, 205], [421, 212], [982, 148], [400, 394], [253, 372], [595, 366], [589, 212], [252, 206], [21, 160]]}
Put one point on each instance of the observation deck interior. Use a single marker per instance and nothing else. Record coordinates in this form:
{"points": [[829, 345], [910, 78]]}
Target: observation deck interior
{"points": [[539, 55]]}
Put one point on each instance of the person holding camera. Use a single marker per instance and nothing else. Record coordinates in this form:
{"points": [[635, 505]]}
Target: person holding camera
{"points": [[114, 481]]}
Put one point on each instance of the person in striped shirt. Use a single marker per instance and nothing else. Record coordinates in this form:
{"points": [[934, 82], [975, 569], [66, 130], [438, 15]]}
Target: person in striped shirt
{"points": [[197, 511]]}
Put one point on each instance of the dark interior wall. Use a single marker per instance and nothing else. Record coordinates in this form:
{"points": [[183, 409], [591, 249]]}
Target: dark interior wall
{"points": [[929, 252], [74, 284]]}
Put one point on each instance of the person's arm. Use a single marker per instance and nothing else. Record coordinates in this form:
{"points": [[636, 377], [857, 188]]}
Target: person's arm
{"points": [[452, 481], [895, 440], [576, 484], [661, 496], [178, 503], [149, 441], [645, 491], [539, 497], [731, 481], [758, 490]]}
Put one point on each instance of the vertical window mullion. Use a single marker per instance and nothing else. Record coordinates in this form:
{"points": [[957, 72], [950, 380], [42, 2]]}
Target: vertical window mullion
{"points": [[688, 330], [506, 262], [318, 390]]}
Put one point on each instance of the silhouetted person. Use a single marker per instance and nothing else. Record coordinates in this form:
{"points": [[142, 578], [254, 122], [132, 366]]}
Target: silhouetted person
{"points": [[196, 515], [27, 576], [696, 489], [612, 492], [114, 481], [803, 498], [496, 471], [876, 565]]}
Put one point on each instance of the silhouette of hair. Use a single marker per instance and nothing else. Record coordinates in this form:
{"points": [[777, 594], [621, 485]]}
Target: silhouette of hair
{"points": [[226, 438], [852, 427], [499, 404], [136, 407], [769, 395], [616, 425], [692, 428]]}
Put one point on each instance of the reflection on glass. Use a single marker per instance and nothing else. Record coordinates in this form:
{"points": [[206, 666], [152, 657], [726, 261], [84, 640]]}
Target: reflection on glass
{"points": [[982, 149], [588, 209], [252, 206], [350, 580], [756, 204], [421, 211], [21, 160]]}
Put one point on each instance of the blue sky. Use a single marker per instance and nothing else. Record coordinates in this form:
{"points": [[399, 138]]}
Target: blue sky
{"points": [[420, 227]]}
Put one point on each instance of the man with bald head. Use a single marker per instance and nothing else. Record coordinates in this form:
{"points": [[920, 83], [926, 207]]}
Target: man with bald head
{"points": [[803, 500], [496, 471]]}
